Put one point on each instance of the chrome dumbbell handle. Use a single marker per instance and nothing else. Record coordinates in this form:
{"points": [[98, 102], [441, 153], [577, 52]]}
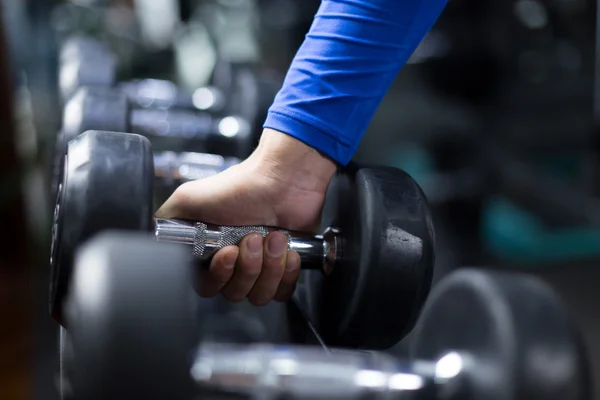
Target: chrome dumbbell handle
{"points": [[186, 166], [273, 372], [160, 93], [316, 251], [186, 124]]}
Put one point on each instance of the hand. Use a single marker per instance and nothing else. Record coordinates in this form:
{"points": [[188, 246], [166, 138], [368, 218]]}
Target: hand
{"points": [[282, 184]]}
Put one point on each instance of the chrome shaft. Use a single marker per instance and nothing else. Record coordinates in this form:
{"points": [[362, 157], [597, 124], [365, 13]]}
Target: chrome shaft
{"points": [[184, 167], [272, 372], [316, 251]]}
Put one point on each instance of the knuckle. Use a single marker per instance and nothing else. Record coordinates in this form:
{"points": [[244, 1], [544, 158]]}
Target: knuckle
{"points": [[250, 270], [219, 282], [219, 276], [273, 270], [289, 279], [181, 196]]}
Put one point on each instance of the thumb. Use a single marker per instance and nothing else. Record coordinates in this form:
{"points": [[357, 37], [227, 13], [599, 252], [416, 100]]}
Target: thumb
{"points": [[196, 199]]}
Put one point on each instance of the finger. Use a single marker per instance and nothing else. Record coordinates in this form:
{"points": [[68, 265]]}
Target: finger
{"points": [[274, 259], [290, 277], [177, 204], [220, 271], [193, 199], [247, 268]]}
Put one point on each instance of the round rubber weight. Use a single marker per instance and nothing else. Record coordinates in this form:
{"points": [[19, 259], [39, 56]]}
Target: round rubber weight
{"points": [[95, 108], [93, 71], [78, 47], [515, 329], [374, 295], [60, 148], [107, 183], [131, 320]]}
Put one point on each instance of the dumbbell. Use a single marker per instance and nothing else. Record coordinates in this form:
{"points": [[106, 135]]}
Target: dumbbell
{"points": [[224, 325], [161, 93], [186, 131], [482, 335], [376, 250], [248, 89], [85, 61], [171, 169], [109, 109]]}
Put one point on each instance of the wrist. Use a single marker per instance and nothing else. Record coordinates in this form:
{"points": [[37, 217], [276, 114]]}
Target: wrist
{"points": [[291, 161]]}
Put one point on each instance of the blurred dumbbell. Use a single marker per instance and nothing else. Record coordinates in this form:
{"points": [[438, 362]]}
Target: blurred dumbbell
{"points": [[169, 130], [171, 169], [248, 89], [175, 307], [377, 250], [161, 93], [88, 62], [85, 61], [95, 108], [482, 335]]}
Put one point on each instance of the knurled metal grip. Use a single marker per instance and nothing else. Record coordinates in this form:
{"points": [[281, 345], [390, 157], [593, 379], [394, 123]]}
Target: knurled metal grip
{"points": [[315, 251], [210, 238]]}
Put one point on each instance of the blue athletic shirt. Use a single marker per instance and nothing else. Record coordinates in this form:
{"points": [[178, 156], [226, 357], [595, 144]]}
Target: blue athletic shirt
{"points": [[342, 71]]}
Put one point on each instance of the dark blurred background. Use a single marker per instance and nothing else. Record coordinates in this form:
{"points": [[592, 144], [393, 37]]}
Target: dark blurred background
{"points": [[494, 115]]}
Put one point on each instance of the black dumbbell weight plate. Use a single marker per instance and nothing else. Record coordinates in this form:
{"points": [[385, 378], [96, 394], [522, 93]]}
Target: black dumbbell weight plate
{"points": [[109, 109], [90, 200], [77, 47], [517, 335], [95, 108], [374, 295], [131, 319], [85, 61], [60, 147]]}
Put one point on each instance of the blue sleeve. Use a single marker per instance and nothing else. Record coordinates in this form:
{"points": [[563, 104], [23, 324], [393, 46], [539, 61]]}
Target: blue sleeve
{"points": [[342, 71]]}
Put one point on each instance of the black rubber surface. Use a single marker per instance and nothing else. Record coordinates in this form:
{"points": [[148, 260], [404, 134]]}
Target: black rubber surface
{"points": [[96, 108], [131, 319], [107, 184], [516, 331], [85, 61], [60, 148], [375, 293], [78, 47]]}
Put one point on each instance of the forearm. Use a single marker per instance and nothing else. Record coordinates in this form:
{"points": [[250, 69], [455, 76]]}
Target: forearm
{"points": [[351, 55]]}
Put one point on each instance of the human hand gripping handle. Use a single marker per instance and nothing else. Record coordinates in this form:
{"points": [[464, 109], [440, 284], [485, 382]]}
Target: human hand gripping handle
{"points": [[317, 252], [282, 184]]}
